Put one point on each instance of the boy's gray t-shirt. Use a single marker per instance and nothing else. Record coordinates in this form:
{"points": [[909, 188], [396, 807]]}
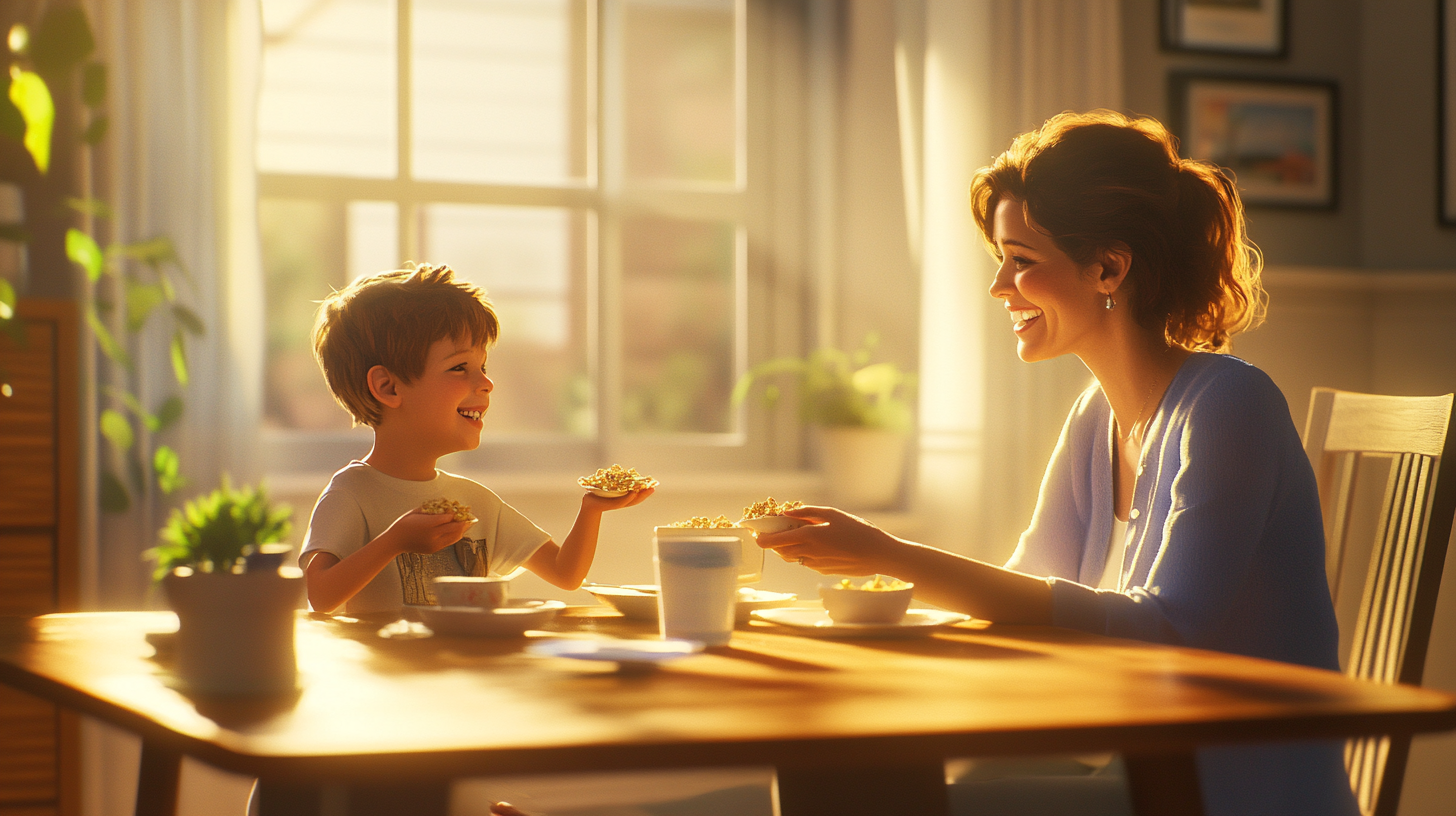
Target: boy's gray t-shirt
{"points": [[360, 503]]}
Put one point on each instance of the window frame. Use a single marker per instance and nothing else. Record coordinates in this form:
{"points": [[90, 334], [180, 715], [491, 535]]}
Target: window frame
{"points": [[765, 203]]}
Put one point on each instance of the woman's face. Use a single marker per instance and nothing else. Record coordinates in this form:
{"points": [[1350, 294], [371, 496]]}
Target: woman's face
{"points": [[1056, 305]]}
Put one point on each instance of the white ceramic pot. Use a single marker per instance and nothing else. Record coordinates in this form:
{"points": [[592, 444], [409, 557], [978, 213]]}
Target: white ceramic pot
{"points": [[235, 633], [863, 467]]}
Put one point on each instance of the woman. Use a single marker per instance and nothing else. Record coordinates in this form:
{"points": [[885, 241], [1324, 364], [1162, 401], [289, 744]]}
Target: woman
{"points": [[1178, 506]]}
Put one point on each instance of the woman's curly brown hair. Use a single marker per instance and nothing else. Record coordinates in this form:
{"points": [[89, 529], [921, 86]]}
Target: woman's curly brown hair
{"points": [[1100, 181]]}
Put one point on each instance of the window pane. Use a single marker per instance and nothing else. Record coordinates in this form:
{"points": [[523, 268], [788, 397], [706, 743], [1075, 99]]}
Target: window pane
{"points": [[681, 104], [327, 104], [373, 237], [300, 265], [532, 261], [678, 312], [500, 90]]}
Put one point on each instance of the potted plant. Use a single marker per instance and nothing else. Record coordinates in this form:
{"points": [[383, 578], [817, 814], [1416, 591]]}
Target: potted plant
{"points": [[860, 410], [219, 564]]}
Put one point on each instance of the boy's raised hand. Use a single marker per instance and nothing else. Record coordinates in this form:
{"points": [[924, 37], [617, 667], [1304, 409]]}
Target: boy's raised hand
{"points": [[420, 532], [603, 503]]}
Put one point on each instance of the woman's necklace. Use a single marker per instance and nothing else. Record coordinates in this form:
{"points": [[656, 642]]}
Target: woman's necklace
{"points": [[1138, 426]]}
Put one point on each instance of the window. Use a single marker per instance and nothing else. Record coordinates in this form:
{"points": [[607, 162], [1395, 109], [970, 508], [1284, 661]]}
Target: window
{"points": [[588, 162]]}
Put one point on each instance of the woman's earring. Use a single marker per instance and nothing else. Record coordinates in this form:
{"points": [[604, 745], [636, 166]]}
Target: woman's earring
{"points": [[1110, 304]]}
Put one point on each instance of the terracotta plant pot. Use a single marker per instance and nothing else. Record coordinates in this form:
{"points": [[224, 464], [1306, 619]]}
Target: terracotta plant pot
{"points": [[236, 630]]}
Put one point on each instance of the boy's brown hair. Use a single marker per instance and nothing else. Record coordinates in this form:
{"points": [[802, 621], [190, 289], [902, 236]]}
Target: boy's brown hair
{"points": [[391, 319]]}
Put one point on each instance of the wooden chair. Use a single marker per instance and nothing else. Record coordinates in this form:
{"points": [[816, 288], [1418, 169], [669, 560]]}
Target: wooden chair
{"points": [[1384, 562]]}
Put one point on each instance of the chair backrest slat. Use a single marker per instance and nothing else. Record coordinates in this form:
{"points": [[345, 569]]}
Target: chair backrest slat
{"points": [[1402, 565]]}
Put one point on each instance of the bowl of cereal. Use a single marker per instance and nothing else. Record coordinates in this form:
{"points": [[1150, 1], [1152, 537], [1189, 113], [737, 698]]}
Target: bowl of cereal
{"points": [[616, 481], [767, 516], [877, 600], [441, 506]]}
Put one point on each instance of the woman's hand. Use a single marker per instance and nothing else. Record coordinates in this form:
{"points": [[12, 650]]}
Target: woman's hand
{"points": [[506, 809], [834, 543]]}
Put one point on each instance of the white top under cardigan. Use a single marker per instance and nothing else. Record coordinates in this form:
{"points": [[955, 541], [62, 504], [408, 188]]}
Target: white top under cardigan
{"points": [[1225, 551]]}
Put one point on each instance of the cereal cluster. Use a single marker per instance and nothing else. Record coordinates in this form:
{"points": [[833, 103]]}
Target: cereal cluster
{"points": [[615, 478], [769, 507], [876, 584], [435, 507], [699, 522]]}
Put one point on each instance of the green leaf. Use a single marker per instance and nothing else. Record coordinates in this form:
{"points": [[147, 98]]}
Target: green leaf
{"points": [[152, 423], [108, 344], [179, 358], [94, 207], [117, 430], [188, 319], [141, 299], [81, 248], [114, 496], [14, 232], [7, 300], [168, 414], [93, 84], [29, 94], [96, 131], [61, 41], [167, 467]]}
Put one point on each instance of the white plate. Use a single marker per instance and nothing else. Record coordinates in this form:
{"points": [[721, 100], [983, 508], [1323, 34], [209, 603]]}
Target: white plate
{"points": [[639, 601], [616, 650], [511, 620], [813, 621]]}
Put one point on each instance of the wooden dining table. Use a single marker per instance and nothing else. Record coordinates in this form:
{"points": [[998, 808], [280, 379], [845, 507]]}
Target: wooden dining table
{"points": [[852, 726]]}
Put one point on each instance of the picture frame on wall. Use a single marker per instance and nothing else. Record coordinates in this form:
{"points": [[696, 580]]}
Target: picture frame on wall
{"points": [[1276, 137], [1446, 107], [1247, 27]]}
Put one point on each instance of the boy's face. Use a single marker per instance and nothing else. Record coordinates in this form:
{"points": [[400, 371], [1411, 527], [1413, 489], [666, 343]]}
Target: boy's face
{"points": [[443, 407]]}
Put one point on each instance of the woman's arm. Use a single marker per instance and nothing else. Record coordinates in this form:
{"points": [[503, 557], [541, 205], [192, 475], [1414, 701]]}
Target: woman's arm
{"points": [[842, 544]]}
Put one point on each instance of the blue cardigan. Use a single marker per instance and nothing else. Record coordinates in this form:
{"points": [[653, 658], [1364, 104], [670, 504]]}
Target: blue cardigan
{"points": [[1225, 552]]}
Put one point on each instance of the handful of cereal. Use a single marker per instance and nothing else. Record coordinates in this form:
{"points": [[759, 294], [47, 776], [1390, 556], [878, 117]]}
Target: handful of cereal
{"points": [[769, 507], [703, 522], [767, 516], [615, 481], [435, 507]]}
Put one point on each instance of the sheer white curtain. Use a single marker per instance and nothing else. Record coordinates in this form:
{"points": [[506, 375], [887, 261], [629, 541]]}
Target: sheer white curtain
{"points": [[180, 164], [973, 74]]}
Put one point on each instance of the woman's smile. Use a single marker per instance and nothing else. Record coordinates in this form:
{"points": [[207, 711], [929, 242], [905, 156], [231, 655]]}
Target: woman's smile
{"points": [[1022, 319]]}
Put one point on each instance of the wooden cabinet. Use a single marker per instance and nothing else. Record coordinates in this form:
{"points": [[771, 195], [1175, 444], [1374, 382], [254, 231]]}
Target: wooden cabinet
{"points": [[39, 462]]}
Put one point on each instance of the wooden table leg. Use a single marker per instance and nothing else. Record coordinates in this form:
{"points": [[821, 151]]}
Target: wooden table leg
{"points": [[161, 769], [905, 790], [1164, 784]]}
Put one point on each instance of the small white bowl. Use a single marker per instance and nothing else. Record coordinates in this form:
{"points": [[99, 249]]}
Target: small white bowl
{"points": [[772, 524], [855, 605], [469, 590]]}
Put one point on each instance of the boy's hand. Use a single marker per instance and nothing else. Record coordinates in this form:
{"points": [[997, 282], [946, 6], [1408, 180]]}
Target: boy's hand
{"points": [[591, 501], [426, 532]]}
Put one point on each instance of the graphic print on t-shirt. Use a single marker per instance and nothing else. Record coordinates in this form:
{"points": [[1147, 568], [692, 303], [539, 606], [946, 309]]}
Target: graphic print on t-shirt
{"points": [[417, 571]]}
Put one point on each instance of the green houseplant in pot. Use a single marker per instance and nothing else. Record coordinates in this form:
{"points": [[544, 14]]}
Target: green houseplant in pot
{"points": [[861, 413], [219, 563]]}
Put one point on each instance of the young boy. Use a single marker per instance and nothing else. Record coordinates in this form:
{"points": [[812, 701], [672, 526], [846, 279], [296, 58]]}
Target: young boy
{"points": [[404, 352]]}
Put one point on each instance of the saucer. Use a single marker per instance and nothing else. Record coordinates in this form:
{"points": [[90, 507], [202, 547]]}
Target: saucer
{"points": [[510, 620], [616, 650], [814, 621], [639, 601]]}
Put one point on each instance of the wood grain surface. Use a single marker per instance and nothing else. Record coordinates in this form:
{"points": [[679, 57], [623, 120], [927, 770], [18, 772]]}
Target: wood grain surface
{"points": [[371, 708]]}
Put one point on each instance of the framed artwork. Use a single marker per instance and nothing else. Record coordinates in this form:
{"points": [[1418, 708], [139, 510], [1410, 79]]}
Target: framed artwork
{"points": [[1276, 137], [1446, 105], [1250, 27]]}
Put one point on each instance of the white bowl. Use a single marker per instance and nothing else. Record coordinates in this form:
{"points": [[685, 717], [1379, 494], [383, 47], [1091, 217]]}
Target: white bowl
{"points": [[634, 601], [469, 590], [855, 605], [510, 620], [772, 524]]}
